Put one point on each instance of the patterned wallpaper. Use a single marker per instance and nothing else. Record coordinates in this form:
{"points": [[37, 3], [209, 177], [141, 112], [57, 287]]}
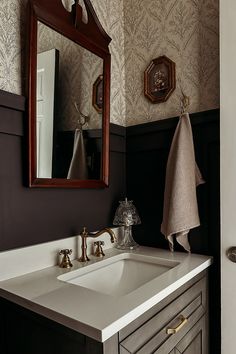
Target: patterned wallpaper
{"points": [[184, 30], [187, 32], [111, 16], [12, 35]]}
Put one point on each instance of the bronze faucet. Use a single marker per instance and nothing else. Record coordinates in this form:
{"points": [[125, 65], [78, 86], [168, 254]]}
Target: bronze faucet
{"points": [[85, 234]]}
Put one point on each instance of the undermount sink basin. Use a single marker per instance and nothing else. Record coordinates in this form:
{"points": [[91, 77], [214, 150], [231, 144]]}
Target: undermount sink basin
{"points": [[119, 275]]}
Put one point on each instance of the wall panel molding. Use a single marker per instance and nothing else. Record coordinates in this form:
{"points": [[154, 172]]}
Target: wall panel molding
{"points": [[12, 108], [150, 131], [12, 101], [13, 114]]}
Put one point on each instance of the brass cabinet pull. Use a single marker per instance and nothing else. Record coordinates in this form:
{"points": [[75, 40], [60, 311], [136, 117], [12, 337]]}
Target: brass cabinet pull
{"points": [[174, 330]]}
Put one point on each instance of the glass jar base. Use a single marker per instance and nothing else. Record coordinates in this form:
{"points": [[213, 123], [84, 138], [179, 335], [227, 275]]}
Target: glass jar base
{"points": [[130, 246], [126, 241]]}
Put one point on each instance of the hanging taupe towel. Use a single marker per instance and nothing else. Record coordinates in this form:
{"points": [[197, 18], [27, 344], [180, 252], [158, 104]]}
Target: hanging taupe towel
{"points": [[180, 212], [78, 166]]}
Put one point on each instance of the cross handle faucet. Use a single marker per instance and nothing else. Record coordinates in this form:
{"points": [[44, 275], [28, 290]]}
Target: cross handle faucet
{"points": [[85, 234]]}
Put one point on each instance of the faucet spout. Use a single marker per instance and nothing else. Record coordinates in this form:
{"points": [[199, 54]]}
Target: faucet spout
{"points": [[85, 234], [99, 233]]}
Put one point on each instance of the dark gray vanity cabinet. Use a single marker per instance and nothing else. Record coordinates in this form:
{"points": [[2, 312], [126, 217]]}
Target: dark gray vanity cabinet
{"points": [[186, 308]]}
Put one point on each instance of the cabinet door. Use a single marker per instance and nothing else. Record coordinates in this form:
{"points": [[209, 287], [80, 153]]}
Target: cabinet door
{"points": [[152, 336], [195, 341]]}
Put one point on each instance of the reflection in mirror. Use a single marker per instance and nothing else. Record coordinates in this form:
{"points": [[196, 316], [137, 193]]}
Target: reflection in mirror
{"points": [[68, 6], [69, 125], [47, 70], [98, 94]]}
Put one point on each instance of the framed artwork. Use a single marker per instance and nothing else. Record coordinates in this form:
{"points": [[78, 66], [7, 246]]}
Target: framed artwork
{"points": [[98, 94], [159, 79]]}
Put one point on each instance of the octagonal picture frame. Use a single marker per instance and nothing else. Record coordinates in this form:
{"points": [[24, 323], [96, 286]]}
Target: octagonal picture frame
{"points": [[97, 100], [159, 79]]}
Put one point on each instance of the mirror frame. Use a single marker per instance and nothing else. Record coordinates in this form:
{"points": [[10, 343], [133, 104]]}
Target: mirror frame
{"points": [[90, 36]]}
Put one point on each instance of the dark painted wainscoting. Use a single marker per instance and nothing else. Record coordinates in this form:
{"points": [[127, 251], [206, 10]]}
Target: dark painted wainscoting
{"points": [[30, 216], [148, 146], [147, 151]]}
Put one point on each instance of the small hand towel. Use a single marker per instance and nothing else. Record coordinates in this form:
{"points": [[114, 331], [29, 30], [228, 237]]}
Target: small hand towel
{"points": [[180, 213], [78, 166]]}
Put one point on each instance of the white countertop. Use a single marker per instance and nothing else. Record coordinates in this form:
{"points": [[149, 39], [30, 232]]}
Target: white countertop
{"points": [[92, 313]]}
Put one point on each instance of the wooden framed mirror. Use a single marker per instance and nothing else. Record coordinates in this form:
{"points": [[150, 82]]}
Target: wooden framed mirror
{"points": [[68, 138]]}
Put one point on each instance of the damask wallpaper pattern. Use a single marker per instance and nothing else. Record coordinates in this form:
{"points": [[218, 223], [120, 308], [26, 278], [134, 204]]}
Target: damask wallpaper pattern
{"points": [[187, 32], [12, 34], [111, 16], [184, 30]]}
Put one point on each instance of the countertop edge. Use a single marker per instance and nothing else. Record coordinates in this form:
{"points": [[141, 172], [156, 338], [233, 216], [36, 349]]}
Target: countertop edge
{"points": [[102, 334], [134, 314]]}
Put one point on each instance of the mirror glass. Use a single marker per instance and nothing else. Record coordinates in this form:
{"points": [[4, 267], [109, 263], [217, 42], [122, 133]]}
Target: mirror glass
{"points": [[69, 108]]}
